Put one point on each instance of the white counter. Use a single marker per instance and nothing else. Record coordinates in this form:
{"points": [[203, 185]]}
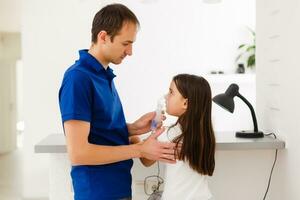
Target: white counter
{"points": [[55, 143], [60, 186]]}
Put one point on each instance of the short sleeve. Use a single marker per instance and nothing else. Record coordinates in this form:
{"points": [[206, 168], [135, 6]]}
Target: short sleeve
{"points": [[170, 133], [75, 96], [164, 136]]}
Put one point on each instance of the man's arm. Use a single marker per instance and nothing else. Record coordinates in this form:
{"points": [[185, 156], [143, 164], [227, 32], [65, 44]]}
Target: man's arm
{"points": [[81, 152]]}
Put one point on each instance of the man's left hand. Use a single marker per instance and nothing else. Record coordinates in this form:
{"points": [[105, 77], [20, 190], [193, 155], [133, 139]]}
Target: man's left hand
{"points": [[143, 124]]}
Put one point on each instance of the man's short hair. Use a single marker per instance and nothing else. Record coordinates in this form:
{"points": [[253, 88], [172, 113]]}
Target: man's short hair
{"points": [[111, 19]]}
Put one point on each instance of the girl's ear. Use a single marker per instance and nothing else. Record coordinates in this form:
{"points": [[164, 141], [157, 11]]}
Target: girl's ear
{"points": [[185, 104]]}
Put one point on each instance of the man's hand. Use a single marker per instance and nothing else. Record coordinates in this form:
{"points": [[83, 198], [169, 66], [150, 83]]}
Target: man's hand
{"points": [[143, 124], [134, 140], [152, 149]]}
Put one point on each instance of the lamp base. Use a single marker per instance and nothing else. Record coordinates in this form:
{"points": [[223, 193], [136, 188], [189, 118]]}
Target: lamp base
{"points": [[249, 134]]}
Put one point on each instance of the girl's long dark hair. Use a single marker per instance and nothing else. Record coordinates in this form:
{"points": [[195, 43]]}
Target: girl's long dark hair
{"points": [[197, 138]]}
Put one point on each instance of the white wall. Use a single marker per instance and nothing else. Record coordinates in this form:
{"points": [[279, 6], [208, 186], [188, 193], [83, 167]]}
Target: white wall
{"points": [[10, 15], [10, 46], [175, 37], [10, 52], [179, 37], [278, 86]]}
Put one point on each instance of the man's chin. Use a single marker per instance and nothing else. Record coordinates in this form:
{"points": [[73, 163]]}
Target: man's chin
{"points": [[117, 62]]}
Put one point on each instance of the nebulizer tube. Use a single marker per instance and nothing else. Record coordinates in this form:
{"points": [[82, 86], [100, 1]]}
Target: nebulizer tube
{"points": [[158, 112]]}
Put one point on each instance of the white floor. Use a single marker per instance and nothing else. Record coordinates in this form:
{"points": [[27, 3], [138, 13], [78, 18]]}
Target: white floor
{"points": [[11, 175]]}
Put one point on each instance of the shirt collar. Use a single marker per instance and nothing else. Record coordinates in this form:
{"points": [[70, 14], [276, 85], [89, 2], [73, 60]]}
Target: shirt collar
{"points": [[95, 64]]}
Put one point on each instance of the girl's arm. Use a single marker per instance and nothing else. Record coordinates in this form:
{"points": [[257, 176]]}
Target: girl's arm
{"points": [[146, 162]]}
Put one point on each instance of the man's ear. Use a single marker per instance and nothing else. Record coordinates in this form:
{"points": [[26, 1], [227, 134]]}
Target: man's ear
{"points": [[102, 36]]}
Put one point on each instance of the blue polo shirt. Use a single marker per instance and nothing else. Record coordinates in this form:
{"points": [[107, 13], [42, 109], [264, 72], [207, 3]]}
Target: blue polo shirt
{"points": [[88, 93]]}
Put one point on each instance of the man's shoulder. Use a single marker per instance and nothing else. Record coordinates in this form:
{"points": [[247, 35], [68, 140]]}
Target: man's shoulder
{"points": [[77, 72]]}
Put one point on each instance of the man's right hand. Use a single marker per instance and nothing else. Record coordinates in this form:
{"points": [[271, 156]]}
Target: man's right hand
{"points": [[153, 149]]}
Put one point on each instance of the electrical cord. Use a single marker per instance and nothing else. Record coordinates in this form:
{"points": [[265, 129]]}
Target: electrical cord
{"points": [[160, 181], [270, 177]]}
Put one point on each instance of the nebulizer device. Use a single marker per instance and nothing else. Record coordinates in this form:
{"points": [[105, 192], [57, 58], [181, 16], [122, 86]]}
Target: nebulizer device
{"points": [[161, 104], [156, 192]]}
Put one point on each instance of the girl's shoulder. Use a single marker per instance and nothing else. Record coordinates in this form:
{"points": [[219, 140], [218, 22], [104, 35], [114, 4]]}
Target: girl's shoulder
{"points": [[170, 133]]}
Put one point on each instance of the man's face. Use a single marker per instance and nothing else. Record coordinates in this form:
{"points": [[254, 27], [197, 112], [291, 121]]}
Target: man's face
{"points": [[121, 46]]}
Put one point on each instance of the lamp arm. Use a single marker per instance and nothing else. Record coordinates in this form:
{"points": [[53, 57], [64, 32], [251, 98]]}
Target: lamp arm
{"points": [[252, 111]]}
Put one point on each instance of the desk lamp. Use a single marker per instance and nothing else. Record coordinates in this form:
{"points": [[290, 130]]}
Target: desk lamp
{"points": [[225, 100]]}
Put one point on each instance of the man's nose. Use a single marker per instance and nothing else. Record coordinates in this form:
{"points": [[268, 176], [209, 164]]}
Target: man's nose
{"points": [[129, 50]]}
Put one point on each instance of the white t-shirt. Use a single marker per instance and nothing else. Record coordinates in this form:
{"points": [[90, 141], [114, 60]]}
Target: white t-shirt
{"points": [[181, 181]]}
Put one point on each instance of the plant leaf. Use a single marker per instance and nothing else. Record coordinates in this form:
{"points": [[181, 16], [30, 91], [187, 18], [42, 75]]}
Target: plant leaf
{"points": [[253, 33], [238, 57], [251, 61], [241, 46], [252, 47]]}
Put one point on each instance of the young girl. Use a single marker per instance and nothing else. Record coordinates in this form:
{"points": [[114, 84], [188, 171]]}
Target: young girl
{"points": [[189, 99]]}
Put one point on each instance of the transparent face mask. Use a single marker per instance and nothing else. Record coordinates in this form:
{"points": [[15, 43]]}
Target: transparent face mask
{"points": [[160, 109]]}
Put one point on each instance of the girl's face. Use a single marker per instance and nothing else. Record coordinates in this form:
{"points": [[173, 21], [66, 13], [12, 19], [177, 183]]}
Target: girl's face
{"points": [[176, 104]]}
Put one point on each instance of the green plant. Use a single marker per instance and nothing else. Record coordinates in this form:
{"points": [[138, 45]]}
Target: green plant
{"points": [[247, 52]]}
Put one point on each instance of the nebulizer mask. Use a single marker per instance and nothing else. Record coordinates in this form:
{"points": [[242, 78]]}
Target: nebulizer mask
{"points": [[160, 107]]}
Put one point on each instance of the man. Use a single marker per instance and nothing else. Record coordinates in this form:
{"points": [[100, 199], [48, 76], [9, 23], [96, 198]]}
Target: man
{"points": [[96, 131]]}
